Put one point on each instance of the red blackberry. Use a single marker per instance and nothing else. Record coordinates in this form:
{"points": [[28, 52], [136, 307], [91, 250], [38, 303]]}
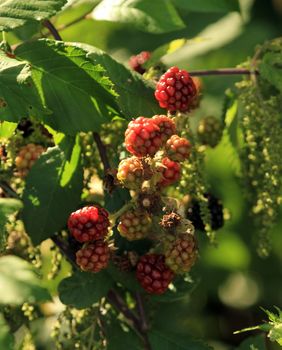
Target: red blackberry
{"points": [[170, 171], [166, 125], [93, 256], [216, 210], [89, 223], [143, 137], [178, 148], [181, 253], [136, 62], [153, 274], [26, 158], [130, 173], [134, 225], [175, 90]]}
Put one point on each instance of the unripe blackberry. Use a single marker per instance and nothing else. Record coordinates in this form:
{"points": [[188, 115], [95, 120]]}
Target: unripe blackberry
{"points": [[26, 157], [136, 62], [167, 126], [153, 274], [181, 253], [178, 148], [175, 90], [134, 224], [210, 131], [143, 137], [216, 211], [170, 172], [94, 256], [89, 223], [131, 173]]}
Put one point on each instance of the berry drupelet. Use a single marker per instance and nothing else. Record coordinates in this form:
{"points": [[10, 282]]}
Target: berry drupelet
{"points": [[153, 274], [94, 256], [89, 223], [176, 90]]}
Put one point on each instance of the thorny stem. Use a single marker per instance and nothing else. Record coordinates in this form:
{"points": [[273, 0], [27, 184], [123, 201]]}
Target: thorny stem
{"points": [[117, 214], [102, 151], [8, 190], [120, 305], [115, 299], [141, 311], [223, 71], [65, 250], [52, 30]]}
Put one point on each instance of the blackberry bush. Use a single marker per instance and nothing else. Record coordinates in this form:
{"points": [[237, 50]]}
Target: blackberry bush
{"points": [[107, 168]]}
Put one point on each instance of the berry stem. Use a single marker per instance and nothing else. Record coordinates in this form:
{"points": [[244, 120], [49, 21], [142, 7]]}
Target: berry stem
{"points": [[224, 71], [49, 25], [65, 250], [117, 214], [141, 311], [8, 190], [115, 299], [102, 152]]}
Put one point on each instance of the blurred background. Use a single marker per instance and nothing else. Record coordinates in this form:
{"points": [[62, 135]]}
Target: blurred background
{"points": [[232, 281]]}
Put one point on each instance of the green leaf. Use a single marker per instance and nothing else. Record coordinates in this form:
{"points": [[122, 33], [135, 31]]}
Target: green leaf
{"points": [[167, 341], [253, 343], [7, 129], [6, 338], [127, 279], [271, 69], [20, 282], [147, 15], [83, 289], [136, 95], [9, 205], [183, 287], [18, 95], [119, 338], [78, 92], [53, 190], [16, 13], [208, 5]]}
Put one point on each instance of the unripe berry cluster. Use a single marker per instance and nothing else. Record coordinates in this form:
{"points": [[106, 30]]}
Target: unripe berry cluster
{"points": [[26, 158], [157, 151]]}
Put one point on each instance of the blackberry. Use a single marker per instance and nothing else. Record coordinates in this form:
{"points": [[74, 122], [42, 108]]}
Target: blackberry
{"points": [[216, 210]]}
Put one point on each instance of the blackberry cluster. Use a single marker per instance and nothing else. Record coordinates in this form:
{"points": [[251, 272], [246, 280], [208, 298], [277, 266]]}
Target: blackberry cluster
{"points": [[216, 211], [90, 225]]}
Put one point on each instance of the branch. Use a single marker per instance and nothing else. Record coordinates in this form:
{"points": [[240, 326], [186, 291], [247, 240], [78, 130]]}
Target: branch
{"points": [[102, 151], [116, 300], [70, 256], [121, 306], [143, 320], [52, 30], [141, 311], [223, 71], [9, 190]]}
